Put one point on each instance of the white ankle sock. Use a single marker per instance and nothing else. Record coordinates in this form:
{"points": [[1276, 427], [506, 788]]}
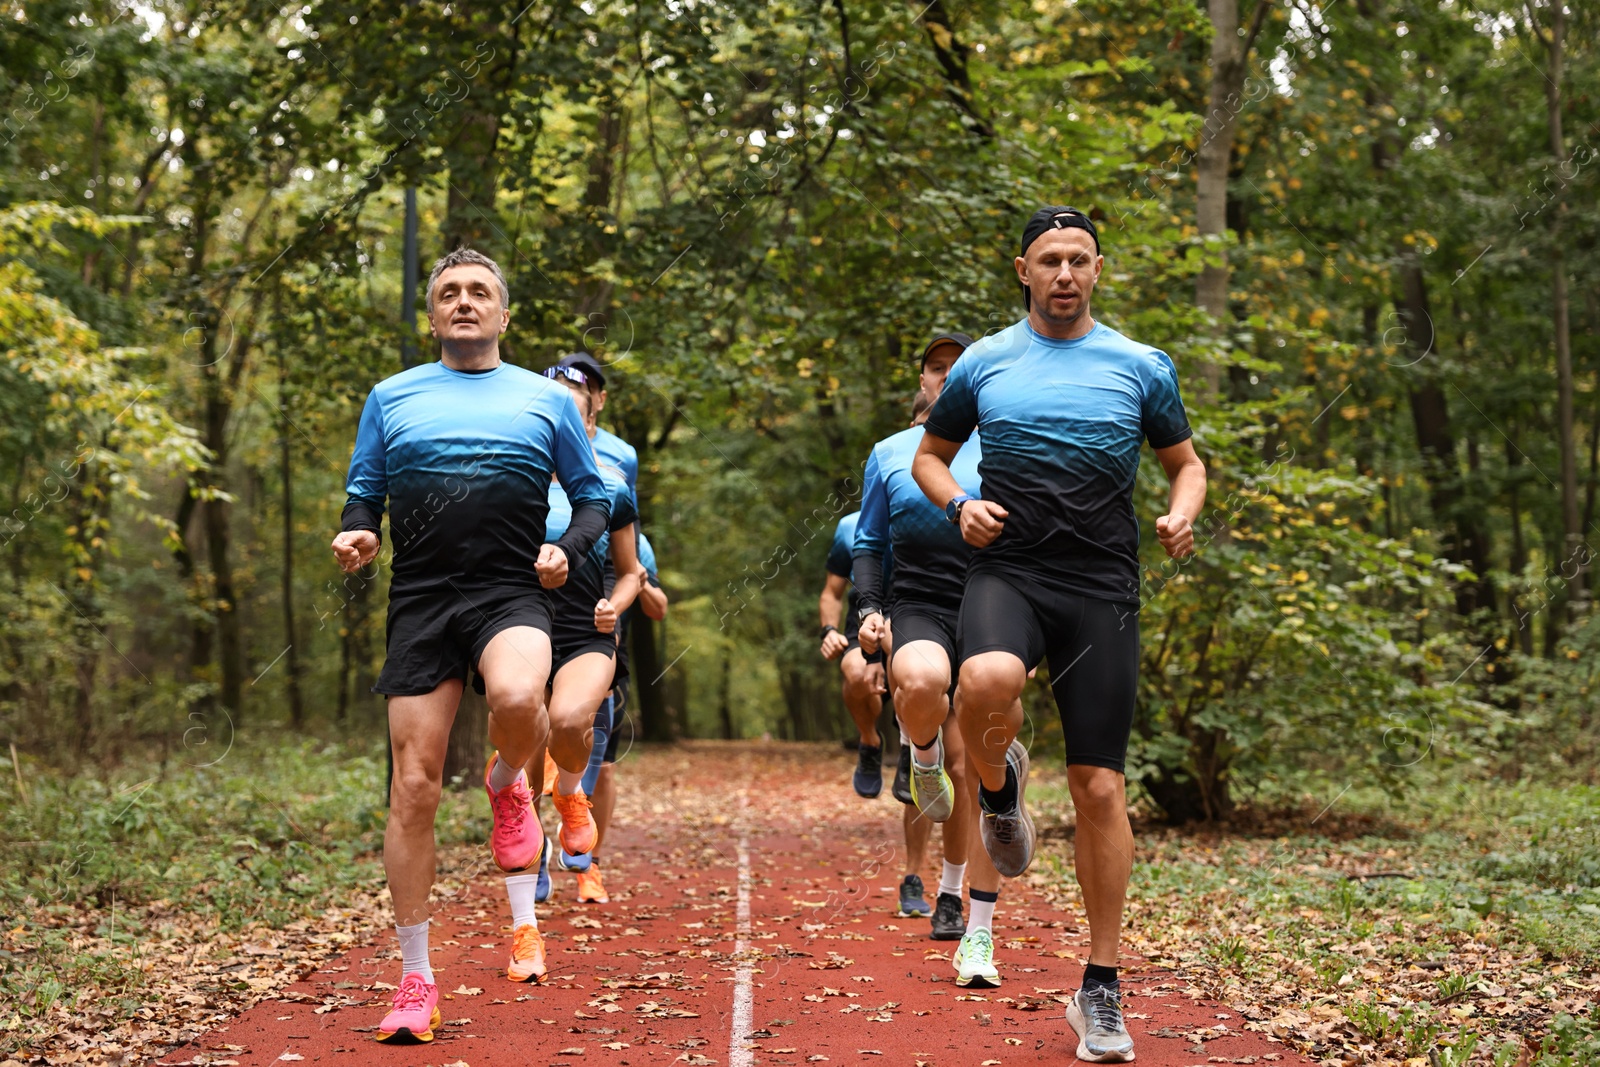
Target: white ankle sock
{"points": [[930, 757], [521, 888], [502, 774], [569, 782], [414, 950], [950, 879], [980, 915]]}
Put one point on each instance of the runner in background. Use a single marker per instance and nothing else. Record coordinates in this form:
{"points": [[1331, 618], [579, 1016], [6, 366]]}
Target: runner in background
{"points": [[613, 452], [865, 682], [925, 591], [583, 644]]}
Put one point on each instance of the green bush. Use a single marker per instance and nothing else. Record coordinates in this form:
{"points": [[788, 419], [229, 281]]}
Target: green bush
{"points": [[1293, 640]]}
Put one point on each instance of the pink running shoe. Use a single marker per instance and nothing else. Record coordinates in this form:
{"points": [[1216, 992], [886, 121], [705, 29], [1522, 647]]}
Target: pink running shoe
{"points": [[517, 839], [415, 1013]]}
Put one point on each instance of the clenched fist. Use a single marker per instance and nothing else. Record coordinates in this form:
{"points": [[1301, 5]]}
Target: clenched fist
{"points": [[354, 549]]}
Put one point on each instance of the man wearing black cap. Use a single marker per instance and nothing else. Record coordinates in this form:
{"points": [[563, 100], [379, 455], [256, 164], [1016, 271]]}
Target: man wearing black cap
{"points": [[612, 452], [1063, 404], [608, 447], [930, 568]]}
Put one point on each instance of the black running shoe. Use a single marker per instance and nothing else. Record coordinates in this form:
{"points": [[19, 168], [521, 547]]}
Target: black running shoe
{"points": [[947, 922], [869, 771], [901, 790], [912, 902]]}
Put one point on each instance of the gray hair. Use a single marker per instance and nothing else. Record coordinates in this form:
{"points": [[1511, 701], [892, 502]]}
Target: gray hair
{"points": [[460, 257]]}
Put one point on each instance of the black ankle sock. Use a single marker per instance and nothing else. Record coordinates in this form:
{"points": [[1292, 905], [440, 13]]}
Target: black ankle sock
{"points": [[1001, 800], [1094, 974]]}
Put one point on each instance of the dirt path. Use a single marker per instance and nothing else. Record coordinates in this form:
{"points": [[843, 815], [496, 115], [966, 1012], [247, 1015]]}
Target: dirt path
{"points": [[751, 922]]}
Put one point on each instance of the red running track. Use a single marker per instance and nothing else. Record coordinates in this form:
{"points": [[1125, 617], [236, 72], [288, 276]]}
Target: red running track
{"points": [[754, 925]]}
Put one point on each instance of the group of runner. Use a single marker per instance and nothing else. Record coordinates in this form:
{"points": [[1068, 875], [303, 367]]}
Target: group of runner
{"points": [[995, 534]]}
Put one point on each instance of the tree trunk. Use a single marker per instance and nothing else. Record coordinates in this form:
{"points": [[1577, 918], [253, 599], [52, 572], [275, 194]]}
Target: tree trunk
{"points": [[1519, 550], [219, 546], [471, 221], [291, 632], [725, 697], [91, 520], [952, 57], [1467, 542], [1566, 437], [654, 722], [1229, 54]]}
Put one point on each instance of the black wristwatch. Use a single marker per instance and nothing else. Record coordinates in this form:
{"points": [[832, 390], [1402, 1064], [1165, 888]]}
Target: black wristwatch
{"points": [[826, 630], [952, 510], [862, 613]]}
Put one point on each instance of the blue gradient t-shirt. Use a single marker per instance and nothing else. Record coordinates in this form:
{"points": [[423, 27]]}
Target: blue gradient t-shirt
{"points": [[586, 580], [1062, 425], [613, 450], [647, 556], [897, 516], [463, 462]]}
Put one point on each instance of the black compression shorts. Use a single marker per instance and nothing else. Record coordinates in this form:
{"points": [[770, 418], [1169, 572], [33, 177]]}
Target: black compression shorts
{"points": [[432, 637], [1092, 648], [572, 630]]}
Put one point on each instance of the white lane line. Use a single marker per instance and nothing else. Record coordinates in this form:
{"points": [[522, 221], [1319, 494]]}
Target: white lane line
{"points": [[739, 1052]]}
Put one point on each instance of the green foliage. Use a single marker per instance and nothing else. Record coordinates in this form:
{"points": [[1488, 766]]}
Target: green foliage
{"points": [[1291, 639], [265, 833], [755, 214]]}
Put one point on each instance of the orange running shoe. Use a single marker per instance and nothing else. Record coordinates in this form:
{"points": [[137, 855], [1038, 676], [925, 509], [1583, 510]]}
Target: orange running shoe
{"points": [[527, 955], [578, 833], [591, 890], [516, 839], [550, 773], [415, 1012]]}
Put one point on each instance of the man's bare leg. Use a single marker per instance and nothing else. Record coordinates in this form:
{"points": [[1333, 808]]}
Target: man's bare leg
{"points": [[989, 708], [863, 695], [1104, 845], [580, 686], [515, 667], [419, 730]]}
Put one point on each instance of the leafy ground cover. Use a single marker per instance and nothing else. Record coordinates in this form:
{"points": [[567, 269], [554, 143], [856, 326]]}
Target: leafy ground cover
{"points": [[1458, 924]]}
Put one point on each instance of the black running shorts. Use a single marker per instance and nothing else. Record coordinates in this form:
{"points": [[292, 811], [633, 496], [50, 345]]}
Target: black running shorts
{"points": [[924, 622], [573, 631], [1092, 649], [433, 637]]}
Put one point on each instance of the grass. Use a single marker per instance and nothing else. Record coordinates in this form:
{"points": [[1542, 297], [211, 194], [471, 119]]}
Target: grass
{"points": [[1458, 924], [105, 877]]}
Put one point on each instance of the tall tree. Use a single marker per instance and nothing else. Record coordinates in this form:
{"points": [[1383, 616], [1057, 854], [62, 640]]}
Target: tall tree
{"points": [[1554, 42], [1230, 54]]}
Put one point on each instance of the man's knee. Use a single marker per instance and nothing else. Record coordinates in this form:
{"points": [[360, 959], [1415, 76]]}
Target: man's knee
{"points": [[992, 679], [515, 700], [570, 719], [415, 792], [920, 686], [1096, 789]]}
